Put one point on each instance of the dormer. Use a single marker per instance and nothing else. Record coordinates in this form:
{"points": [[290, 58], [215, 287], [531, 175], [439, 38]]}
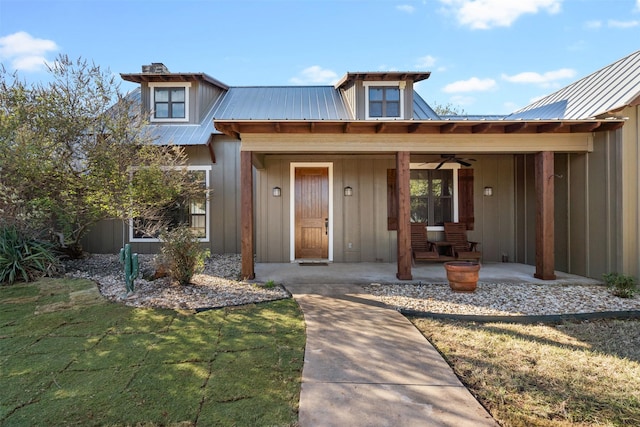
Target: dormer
{"points": [[380, 95], [176, 98]]}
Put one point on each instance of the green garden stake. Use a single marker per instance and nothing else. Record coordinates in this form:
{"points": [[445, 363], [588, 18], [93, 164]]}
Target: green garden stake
{"points": [[130, 262]]}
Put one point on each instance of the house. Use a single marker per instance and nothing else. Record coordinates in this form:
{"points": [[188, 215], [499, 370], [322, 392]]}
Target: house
{"points": [[338, 173]]}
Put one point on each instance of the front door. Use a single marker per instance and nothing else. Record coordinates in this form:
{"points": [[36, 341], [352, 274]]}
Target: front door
{"points": [[312, 213]]}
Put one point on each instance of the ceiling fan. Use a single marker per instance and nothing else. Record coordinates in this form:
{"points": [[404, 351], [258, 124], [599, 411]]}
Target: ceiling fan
{"points": [[453, 158]]}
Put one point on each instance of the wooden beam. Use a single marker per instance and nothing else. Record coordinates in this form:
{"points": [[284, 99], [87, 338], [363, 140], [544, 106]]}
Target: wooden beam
{"points": [[246, 215], [346, 128], [515, 127], [585, 127], [449, 127], [545, 234], [312, 127], [277, 127], [380, 127], [480, 128], [403, 166], [413, 127], [549, 127], [212, 154]]}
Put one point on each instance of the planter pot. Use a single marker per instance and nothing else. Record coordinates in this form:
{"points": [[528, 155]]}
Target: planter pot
{"points": [[462, 275]]}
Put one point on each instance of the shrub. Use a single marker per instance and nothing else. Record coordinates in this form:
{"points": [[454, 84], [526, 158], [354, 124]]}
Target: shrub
{"points": [[182, 254], [621, 285], [24, 258]]}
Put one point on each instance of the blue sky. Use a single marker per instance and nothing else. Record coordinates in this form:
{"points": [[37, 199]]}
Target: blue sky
{"points": [[485, 56]]}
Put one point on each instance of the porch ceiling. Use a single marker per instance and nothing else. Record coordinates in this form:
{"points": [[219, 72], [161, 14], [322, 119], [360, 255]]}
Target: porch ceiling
{"points": [[464, 127]]}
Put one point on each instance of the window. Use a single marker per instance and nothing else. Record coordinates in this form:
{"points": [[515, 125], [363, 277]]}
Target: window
{"points": [[431, 196], [384, 100], [194, 212], [436, 196], [169, 101]]}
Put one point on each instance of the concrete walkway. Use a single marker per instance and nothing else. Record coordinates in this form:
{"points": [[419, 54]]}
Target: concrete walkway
{"points": [[367, 365]]}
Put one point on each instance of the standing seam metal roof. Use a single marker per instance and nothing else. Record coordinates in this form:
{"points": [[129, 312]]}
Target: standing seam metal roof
{"points": [[607, 90], [282, 103]]}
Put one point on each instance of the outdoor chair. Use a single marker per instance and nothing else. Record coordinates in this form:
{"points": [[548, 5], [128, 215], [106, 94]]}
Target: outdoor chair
{"points": [[421, 248], [455, 233]]}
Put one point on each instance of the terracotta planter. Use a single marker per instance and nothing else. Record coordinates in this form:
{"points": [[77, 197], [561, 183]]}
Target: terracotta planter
{"points": [[462, 275]]}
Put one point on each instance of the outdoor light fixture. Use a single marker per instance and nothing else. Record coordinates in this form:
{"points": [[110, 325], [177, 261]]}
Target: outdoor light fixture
{"points": [[348, 191], [488, 191], [276, 191]]}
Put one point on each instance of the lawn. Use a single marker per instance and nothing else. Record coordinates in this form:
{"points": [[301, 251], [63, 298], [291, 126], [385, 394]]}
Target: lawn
{"points": [[571, 374], [69, 357]]}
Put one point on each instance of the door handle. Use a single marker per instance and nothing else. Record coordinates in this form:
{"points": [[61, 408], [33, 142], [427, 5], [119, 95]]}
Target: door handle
{"points": [[326, 226]]}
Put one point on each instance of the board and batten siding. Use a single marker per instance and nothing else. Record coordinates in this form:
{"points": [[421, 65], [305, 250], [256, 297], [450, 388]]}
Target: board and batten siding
{"points": [[360, 232], [224, 217], [596, 206]]}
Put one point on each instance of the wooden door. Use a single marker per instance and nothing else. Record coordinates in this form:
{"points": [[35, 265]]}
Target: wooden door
{"points": [[312, 213]]}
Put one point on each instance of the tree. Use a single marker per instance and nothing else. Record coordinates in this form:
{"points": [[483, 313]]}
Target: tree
{"points": [[448, 109], [68, 152]]}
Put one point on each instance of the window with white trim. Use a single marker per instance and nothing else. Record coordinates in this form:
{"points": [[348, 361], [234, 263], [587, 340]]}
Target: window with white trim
{"points": [[169, 101], [384, 100], [194, 212]]}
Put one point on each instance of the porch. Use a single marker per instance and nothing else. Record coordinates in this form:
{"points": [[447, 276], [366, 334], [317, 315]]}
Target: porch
{"points": [[385, 273]]}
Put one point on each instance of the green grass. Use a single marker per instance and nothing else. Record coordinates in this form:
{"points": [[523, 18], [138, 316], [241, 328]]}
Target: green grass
{"points": [[573, 374], [69, 357]]}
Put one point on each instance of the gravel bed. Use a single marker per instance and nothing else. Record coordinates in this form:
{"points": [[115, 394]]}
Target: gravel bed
{"points": [[218, 285], [503, 299]]}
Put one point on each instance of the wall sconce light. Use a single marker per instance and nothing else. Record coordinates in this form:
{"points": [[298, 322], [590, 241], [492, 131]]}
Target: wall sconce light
{"points": [[276, 192], [348, 191], [488, 191]]}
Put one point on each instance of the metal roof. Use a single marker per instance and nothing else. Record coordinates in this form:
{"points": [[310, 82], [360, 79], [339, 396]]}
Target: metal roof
{"points": [[422, 110], [179, 134], [185, 134], [283, 102], [598, 95]]}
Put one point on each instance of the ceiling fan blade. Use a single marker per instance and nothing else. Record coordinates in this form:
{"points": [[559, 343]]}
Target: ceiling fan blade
{"points": [[441, 163], [463, 163]]}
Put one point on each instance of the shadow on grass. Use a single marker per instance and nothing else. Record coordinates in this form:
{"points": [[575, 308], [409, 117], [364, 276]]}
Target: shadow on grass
{"points": [[67, 357], [541, 375]]}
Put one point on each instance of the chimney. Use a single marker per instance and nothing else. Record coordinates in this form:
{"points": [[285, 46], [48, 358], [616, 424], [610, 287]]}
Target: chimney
{"points": [[155, 68]]}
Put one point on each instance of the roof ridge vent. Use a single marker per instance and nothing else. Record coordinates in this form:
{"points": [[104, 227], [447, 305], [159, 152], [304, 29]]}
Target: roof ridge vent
{"points": [[155, 68]]}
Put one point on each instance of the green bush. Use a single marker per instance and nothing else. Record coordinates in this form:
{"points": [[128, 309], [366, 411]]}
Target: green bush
{"points": [[24, 258], [621, 285], [182, 254]]}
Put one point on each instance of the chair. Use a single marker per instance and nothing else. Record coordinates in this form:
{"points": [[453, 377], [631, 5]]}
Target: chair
{"points": [[456, 234], [421, 248]]}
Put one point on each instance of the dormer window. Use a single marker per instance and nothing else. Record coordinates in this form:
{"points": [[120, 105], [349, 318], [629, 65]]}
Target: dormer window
{"points": [[170, 101], [384, 100]]}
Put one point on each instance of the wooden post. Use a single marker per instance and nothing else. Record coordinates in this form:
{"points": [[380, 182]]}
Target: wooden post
{"points": [[545, 255], [403, 169], [246, 215]]}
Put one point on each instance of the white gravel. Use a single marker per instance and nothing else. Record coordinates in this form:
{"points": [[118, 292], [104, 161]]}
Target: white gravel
{"points": [[217, 286], [506, 299]]}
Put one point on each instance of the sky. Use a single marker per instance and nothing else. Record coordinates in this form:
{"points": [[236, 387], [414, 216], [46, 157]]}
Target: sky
{"points": [[485, 56]]}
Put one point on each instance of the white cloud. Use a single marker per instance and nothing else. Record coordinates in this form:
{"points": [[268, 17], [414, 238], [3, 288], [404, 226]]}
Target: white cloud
{"points": [[638, 5], [25, 52], [426, 62], [462, 100], [486, 14], [545, 79], [474, 84], [314, 75], [593, 25], [406, 8], [622, 24]]}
